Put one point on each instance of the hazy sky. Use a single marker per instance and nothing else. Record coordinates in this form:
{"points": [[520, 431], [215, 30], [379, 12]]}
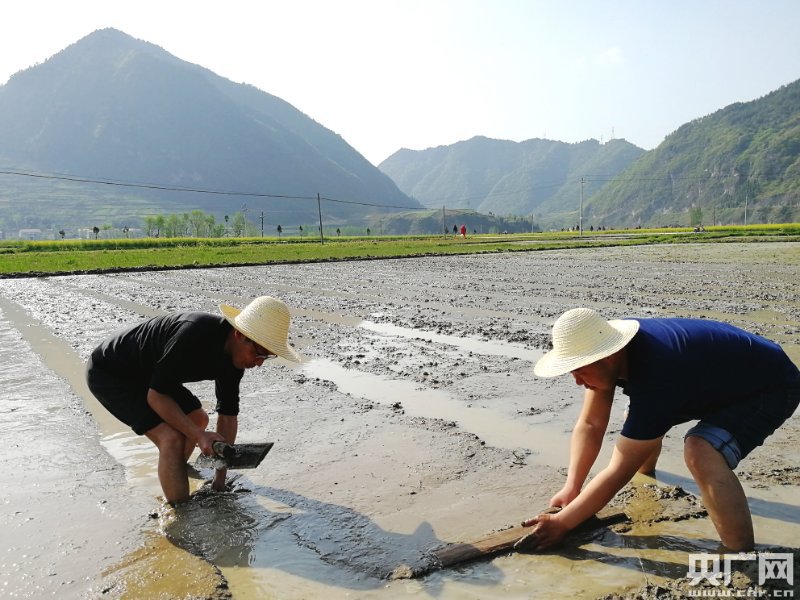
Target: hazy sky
{"points": [[391, 74]]}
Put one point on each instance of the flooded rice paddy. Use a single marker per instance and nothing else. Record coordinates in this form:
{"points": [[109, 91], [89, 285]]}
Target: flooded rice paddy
{"points": [[414, 421]]}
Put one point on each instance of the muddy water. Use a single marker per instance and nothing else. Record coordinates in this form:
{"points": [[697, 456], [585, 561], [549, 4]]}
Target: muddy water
{"points": [[414, 421]]}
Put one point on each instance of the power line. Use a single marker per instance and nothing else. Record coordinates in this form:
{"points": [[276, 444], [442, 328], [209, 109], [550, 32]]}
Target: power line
{"points": [[161, 187], [371, 204], [148, 186]]}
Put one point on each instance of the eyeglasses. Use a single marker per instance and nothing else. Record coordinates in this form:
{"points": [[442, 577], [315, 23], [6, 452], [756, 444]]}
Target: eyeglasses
{"points": [[262, 352]]}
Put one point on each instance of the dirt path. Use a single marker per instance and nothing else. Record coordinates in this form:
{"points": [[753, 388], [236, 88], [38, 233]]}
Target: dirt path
{"points": [[415, 421]]}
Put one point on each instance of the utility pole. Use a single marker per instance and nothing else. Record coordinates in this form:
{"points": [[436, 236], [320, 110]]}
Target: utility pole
{"points": [[580, 213], [319, 210], [745, 209], [262, 223], [444, 227]]}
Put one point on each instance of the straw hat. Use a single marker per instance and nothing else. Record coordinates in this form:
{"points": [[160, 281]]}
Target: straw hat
{"points": [[580, 337], [265, 321]]}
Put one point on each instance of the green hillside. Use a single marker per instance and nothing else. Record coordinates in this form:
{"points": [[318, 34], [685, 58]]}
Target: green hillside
{"points": [[743, 157]]}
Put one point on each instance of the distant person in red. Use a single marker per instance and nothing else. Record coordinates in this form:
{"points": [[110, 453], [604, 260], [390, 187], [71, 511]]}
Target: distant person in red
{"points": [[138, 375], [463, 231]]}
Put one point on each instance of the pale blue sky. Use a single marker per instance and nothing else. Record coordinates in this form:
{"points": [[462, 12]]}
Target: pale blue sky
{"points": [[391, 74]]}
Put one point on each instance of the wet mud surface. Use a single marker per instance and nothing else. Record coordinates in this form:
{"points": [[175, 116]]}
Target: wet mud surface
{"points": [[415, 421]]}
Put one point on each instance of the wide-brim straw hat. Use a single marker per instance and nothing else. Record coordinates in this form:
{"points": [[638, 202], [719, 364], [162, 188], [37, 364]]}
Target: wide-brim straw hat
{"points": [[265, 321], [580, 337]]}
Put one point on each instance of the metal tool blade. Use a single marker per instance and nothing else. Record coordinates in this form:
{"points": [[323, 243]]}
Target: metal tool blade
{"points": [[236, 456]]}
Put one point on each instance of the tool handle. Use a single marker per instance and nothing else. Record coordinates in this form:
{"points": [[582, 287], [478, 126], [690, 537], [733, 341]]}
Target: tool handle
{"points": [[223, 450]]}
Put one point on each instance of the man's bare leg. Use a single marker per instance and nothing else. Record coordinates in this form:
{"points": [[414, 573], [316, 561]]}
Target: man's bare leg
{"points": [[722, 494], [649, 466], [172, 475]]}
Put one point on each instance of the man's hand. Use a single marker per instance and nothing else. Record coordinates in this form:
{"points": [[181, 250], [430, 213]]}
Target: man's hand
{"points": [[205, 441], [548, 531]]}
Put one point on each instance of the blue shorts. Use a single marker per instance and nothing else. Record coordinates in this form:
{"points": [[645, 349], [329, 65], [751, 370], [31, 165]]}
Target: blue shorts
{"points": [[736, 430]]}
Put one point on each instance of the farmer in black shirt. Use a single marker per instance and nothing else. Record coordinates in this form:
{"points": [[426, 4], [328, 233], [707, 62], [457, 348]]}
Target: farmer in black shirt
{"points": [[138, 375]]}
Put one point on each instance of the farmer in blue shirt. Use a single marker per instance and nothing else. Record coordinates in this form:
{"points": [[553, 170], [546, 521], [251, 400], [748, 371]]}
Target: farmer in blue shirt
{"points": [[741, 387]]}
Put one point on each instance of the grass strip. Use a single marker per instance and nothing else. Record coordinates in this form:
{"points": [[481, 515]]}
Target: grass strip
{"points": [[97, 256]]}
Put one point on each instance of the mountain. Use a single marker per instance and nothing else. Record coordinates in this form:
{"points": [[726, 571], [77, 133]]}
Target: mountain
{"points": [[540, 177], [116, 108], [744, 157], [739, 164]]}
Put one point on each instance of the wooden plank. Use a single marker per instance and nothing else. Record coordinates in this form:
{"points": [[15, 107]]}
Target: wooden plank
{"points": [[494, 543]]}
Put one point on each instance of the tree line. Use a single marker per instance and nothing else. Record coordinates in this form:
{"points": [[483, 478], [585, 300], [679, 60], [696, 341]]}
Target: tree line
{"points": [[199, 224], [196, 223]]}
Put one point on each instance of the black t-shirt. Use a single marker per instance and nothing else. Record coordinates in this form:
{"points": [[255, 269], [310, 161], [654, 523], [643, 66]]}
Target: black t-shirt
{"points": [[164, 352]]}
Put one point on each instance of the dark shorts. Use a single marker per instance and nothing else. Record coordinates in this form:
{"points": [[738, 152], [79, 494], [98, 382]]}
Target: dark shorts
{"points": [[736, 430], [127, 400]]}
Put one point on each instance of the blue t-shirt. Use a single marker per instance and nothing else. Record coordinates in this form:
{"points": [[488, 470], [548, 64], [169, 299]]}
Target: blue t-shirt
{"points": [[685, 369]]}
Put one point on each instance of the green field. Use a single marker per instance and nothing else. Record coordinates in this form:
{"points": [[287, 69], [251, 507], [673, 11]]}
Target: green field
{"points": [[27, 258]]}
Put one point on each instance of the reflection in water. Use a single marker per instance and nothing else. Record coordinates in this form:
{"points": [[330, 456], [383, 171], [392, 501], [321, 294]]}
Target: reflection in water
{"points": [[467, 344], [159, 569], [496, 429], [136, 454]]}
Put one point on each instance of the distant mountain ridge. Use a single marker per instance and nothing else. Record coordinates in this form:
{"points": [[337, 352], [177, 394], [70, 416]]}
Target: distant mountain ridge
{"points": [[739, 164], [534, 177], [114, 107]]}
